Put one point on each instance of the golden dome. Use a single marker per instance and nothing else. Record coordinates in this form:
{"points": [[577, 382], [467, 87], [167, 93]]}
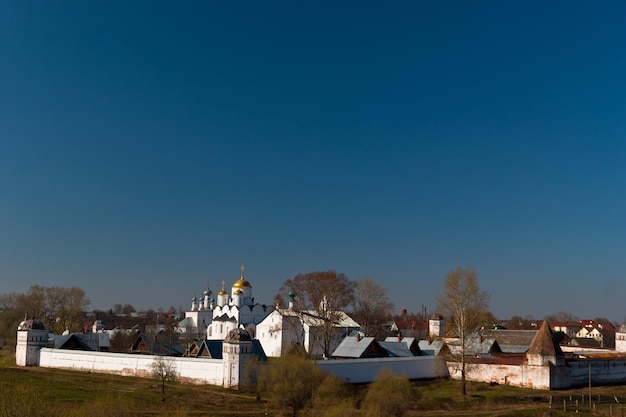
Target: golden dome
{"points": [[241, 282], [222, 292]]}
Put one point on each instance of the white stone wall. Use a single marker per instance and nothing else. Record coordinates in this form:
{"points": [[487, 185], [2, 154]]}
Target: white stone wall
{"points": [[575, 374], [365, 370], [194, 370], [517, 375]]}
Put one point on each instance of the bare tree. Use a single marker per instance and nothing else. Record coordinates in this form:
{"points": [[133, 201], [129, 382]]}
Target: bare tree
{"points": [[8, 301], [55, 298], [70, 312], [464, 303], [33, 303], [122, 340], [563, 316], [325, 294], [10, 316], [372, 308], [58, 307], [164, 367]]}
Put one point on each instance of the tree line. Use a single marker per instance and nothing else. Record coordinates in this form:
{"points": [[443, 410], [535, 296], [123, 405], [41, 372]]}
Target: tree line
{"points": [[58, 308]]}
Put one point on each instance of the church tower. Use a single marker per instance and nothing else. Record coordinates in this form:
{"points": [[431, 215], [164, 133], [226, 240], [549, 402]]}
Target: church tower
{"points": [[31, 337], [237, 350], [222, 296], [544, 350]]}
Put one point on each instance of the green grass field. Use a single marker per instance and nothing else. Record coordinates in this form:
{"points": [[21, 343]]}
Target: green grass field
{"points": [[37, 392]]}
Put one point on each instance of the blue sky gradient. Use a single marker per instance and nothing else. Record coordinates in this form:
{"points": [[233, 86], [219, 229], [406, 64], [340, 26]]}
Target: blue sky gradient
{"points": [[148, 147]]}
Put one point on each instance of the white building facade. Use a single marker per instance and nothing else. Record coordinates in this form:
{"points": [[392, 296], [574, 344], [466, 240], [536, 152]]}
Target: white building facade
{"points": [[284, 328], [200, 316]]}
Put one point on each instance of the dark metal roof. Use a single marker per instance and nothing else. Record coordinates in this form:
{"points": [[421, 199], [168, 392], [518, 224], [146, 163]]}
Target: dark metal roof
{"points": [[237, 335], [396, 349], [511, 341]]}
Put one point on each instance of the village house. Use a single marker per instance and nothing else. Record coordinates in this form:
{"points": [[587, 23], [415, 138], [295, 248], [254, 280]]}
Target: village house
{"points": [[418, 328], [588, 333]]}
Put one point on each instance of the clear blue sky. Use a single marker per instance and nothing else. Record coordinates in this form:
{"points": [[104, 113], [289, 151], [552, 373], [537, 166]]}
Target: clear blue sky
{"points": [[146, 147]]}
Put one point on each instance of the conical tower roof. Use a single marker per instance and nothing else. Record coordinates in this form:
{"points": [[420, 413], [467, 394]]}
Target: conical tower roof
{"points": [[543, 343]]}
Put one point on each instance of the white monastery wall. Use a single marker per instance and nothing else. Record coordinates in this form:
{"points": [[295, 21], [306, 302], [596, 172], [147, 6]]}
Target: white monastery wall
{"points": [[538, 377], [575, 374], [365, 370], [195, 370]]}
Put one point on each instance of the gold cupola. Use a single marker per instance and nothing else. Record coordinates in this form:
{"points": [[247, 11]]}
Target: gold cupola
{"points": [[242, 282], [222, 292]]}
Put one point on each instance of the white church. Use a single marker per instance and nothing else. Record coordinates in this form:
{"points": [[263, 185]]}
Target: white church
{"points": [[236, 310], [210, 318]]}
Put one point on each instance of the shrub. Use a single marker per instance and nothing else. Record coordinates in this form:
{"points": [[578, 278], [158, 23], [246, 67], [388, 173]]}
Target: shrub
{"points": [[388, 395]]}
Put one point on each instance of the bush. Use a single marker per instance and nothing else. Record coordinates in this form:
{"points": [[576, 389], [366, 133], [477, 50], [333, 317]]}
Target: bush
{"points": [[331, 398], [289, 382], [388, 395]]}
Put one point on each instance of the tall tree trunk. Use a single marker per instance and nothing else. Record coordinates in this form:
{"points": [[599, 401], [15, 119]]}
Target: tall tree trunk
{"points": [[463, 390]]}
